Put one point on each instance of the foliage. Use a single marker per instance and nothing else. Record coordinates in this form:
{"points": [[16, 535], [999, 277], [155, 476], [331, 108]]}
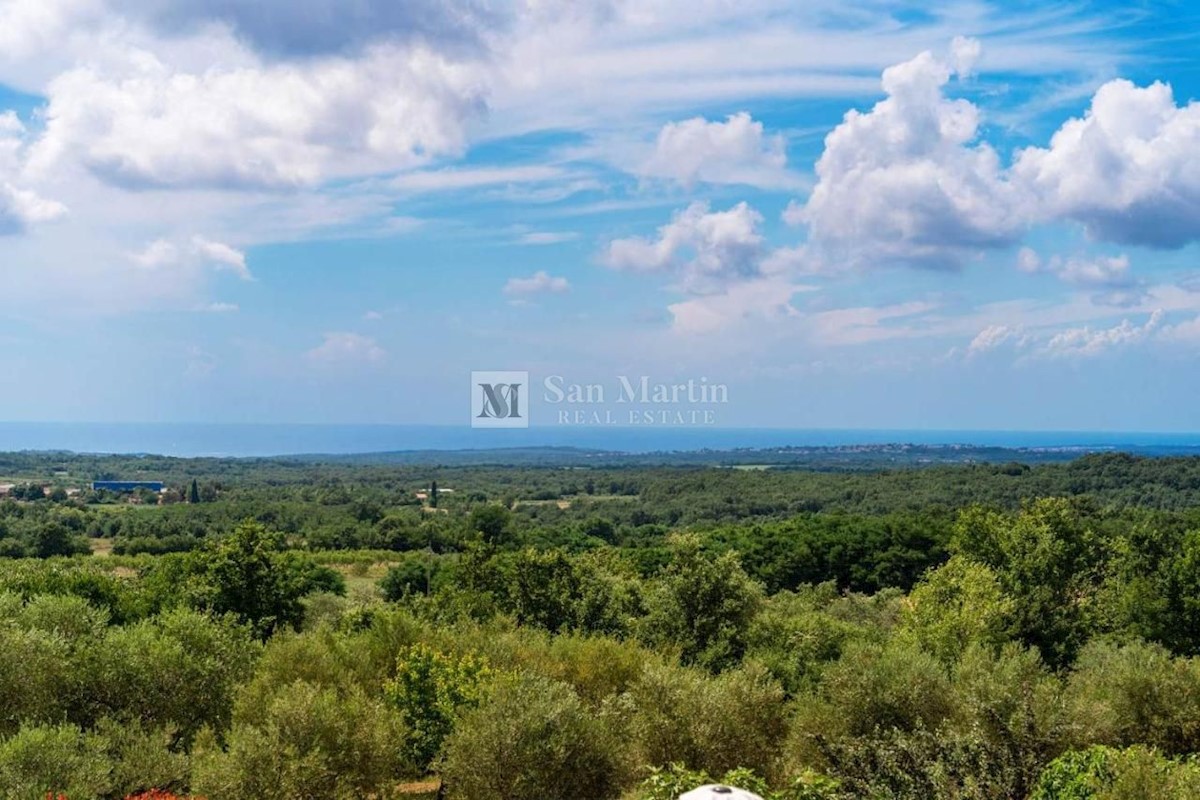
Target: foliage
{"points": [[704, 605], [313, 742], [251, 575], [430, 690], [532, 739]]}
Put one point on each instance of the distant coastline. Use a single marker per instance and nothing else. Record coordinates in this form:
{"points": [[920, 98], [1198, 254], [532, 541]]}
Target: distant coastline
{"points": [[268, 440]]}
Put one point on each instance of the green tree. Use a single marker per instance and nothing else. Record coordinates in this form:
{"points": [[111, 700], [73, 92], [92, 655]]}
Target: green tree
{"points": [[702, 603], [194, 494], [959, 604], [430, 690], [1048, 559], [251, 575], [494, 522]]}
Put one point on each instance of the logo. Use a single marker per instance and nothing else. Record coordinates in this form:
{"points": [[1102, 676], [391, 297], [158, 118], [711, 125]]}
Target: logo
{"points": [[499, 399]]}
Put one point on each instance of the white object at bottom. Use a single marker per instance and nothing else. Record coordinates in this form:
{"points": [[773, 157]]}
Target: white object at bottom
{"points": [[718, 792]]}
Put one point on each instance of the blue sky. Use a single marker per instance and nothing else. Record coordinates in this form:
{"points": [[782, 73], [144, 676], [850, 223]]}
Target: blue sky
{"points": [[874, 215]]}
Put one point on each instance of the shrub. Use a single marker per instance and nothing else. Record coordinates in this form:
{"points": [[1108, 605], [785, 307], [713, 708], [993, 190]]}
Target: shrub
{"points": [[532, 739], [42, 760], [430, 690], [703, 604], [711, 724], [1102, 773], [1135, 693], [314, 743]]}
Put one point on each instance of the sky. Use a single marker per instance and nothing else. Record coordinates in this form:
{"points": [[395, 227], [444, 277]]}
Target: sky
{"points": [[854, 215]]}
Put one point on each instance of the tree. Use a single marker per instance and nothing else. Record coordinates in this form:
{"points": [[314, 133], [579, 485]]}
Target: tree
{"points": [[194, 495], [493, 521], [1047, 559], [703, 603], [250, 574], [55, 539], [955, 606], [430, 690], [433, 495]]}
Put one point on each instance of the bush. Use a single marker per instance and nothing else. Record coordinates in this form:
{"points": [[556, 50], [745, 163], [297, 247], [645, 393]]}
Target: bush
{"points": [[682, 716], [314, 743], [1135, 694], [430, 690], [897, 685], [42, 760], [532, 739], [1102, 773]]}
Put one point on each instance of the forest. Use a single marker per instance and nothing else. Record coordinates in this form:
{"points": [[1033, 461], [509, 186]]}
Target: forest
{"points": [[336, 628]]}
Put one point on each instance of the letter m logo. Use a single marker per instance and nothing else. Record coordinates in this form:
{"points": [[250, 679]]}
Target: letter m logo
{"points": [[499, 399]]}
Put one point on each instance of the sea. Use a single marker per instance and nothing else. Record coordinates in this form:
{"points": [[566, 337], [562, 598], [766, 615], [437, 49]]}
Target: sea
{"points": [[259, 440]]}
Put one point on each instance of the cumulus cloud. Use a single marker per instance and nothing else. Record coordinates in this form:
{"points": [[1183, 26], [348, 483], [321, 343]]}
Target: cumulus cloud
{"points": [[1086, 343], [259, 126], [1127, 169], [343, 348], [540, 282], [905, 183], [198, 252], [735, 151], [1187, 331], [20, 207], [992, 338], [705, 249], [1110, 277]]}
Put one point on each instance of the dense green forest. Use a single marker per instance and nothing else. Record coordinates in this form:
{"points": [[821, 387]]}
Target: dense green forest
{"points": [[297, 628]]}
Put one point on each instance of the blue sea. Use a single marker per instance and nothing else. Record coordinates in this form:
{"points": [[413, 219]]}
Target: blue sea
{"points": [[246, 440]]}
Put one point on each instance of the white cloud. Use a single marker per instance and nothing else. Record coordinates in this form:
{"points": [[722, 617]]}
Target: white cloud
{"points": [[342, 348], [540, 282], [1127, 170], [19, 207], [373, 316], [198, 252], [318, 27], [1099, 272], [904, 183], [447, 180], [221, 255], [768, 297], [1110, 277], [992, 338], [252, 125], [1086, 343], [547, 237], [863, 324], [1028, 260], [219, 308], [964, 52], [731, 152], [718, 258], [1187, 331], [705, 249]]}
